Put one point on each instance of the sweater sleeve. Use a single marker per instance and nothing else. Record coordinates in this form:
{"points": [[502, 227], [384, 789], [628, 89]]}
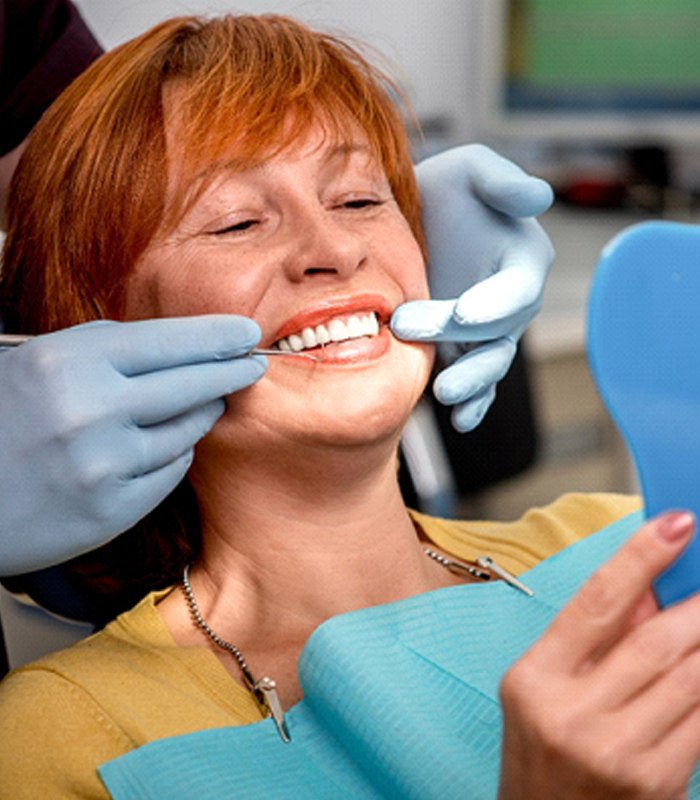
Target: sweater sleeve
{"points": [[54, 736]]}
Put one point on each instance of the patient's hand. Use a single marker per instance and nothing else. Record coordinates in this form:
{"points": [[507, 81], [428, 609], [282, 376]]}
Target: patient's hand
{"points": [[98, 424], [607, 703]]}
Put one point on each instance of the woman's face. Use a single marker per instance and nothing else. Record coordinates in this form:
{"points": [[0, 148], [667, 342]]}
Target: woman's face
{"points": [[311, 245]]}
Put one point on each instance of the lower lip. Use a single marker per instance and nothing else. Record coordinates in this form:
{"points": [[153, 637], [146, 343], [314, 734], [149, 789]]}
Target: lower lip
{"points": [[352, 351]]}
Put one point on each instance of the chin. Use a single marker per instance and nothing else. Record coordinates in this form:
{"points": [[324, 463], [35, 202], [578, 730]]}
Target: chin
{"points": [[357, 422], [367, 407], [338, 407]]}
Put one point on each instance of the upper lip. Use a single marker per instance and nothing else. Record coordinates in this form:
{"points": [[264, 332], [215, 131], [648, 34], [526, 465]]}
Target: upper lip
{"points": [[335, 307]]}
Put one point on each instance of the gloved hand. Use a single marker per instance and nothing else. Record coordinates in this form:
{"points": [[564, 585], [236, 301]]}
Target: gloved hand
{"points": [[477, 216], [98, 424]]}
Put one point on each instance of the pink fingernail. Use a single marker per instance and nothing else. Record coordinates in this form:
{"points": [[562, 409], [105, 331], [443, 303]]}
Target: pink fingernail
{"points": [[676, 525]]}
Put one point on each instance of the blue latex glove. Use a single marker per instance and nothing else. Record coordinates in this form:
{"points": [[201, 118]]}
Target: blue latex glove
{"points": [[477, 215], [98, 424]]}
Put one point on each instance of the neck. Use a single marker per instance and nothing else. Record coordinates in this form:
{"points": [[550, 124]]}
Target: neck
{"points": [[303, 542], [286, 546]]}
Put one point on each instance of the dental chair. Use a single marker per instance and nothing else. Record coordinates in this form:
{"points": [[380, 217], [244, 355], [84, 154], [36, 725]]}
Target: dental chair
{"points": [[28, 631]]}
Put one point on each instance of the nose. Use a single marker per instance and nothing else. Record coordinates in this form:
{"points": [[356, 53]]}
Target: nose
{"points": [[324, 242]]}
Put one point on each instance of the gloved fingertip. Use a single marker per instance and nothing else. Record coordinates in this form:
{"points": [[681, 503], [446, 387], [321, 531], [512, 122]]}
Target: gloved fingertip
{"points": [[518, 194], [411, 329], [213, 410], [250, 370], [239, 335], [469, 416], [187, 459], [397, 323], [451, 387], [260, 361], [422, 320]]}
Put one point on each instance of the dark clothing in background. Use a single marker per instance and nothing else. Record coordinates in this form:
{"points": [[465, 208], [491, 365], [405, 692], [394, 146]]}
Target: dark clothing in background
{"points": [[44, 45]]}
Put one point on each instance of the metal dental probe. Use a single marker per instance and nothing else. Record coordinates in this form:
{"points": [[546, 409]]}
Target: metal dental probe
{"points": [[266, 351], [15, 339]]}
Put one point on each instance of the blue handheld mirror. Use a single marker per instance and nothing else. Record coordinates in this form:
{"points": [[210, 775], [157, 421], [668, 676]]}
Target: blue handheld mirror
{"points": [[644, 350]]}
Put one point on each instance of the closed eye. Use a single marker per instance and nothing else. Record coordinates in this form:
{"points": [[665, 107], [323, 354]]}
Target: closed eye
{"points": [[362, 202], [237, 227]]}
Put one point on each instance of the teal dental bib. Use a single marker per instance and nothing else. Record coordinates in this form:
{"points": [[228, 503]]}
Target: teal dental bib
{"points": [[400, 701]]}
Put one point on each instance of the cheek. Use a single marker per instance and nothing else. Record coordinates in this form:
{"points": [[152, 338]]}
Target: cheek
{"points": [[406, 263], [141, 299], [158, 287], [176, 287]]}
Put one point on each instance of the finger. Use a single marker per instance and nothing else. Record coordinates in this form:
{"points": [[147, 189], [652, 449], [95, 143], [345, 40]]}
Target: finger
{"points": [[650, 650], [435, 321], [159, 445], [159, 396], [138, 347], [424, 320], [142, 494], [474, 372], [500, 305], [504, 186], [527, 197], [496, 181], [467, 416], [654, 713], [677, 754], [515, 290], [599, 613]]}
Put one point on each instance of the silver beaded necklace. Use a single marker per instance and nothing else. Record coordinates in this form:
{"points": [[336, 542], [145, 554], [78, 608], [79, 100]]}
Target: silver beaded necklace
{"points": [[264, 690]]}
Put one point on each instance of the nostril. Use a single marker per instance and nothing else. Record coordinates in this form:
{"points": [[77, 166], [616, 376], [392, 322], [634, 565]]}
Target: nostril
{"points": [[317, 270]]}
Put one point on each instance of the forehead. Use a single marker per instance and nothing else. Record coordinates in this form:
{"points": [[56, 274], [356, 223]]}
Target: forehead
{"points": [[194, 165]]}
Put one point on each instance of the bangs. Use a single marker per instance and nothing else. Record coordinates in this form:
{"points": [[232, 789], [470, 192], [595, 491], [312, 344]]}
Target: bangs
{"points": [[252, 87]]}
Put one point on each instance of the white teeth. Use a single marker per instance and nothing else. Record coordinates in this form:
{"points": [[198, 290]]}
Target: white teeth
{"points": [[336, 330], [322, 335], [355, 327], [296, 343], [308, 337]]}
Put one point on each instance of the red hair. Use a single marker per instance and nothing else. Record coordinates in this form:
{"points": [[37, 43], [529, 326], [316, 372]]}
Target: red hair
{"points": [[90, 194]]}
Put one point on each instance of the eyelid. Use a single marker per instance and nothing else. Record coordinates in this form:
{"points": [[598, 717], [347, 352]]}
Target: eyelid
{"points": [[235, 223], [366, 198]]}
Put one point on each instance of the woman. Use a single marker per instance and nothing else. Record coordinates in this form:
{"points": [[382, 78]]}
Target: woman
{"points": [[247, 165]]}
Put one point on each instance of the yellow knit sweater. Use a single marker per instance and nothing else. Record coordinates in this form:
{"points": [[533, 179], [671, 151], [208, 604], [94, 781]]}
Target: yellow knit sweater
{"points": [[69, 712]]}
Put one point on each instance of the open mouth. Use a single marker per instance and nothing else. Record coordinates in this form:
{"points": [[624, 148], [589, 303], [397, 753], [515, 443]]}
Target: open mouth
{"points": [[339, 329]]}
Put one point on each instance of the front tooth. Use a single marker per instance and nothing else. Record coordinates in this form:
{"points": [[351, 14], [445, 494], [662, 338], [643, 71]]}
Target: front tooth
{"points": [[355, 328], [338, 330], [368, 324], [322, 335], [296, 343], [308, 337]]}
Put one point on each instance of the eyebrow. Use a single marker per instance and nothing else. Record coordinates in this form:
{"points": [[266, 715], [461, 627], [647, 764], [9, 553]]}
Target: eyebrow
{"points": [[343, 150], [347, 149]]}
